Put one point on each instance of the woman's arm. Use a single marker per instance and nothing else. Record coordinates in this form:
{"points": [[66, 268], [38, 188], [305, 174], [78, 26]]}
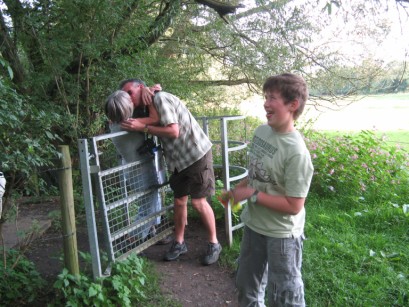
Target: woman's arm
{"points": [[153, 119], [169, 131]]}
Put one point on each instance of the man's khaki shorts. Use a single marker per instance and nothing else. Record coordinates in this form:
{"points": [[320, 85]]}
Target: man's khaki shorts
{"points": [[196, 180]]}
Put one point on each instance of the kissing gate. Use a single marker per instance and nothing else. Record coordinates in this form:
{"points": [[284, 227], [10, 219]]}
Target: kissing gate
{"points": [[135, 203]]}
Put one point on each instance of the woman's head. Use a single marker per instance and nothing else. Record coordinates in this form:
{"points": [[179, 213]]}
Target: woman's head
{"points": [[118, 106]]}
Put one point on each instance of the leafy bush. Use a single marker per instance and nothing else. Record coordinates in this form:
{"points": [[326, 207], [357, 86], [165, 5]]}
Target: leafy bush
{"points": [[20, 283], [357, 166], [124, 286], [27, 137]]}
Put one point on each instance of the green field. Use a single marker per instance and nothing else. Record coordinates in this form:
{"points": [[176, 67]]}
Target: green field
{"points": [[386, 115], [400, 138]]}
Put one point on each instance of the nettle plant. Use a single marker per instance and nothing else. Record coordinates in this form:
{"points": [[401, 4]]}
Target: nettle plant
{"points": [[359, 166], [124, 287]]}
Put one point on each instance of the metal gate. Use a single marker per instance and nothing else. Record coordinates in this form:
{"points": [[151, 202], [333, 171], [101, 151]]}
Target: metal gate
{"points": [[135, 208], [132, 213]]}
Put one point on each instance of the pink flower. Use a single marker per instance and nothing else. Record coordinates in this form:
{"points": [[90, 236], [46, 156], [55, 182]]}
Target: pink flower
{"points": [[313, 146], [331, 171]]}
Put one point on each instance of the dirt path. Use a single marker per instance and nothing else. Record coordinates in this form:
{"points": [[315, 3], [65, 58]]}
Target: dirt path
{"points": [[189, 282], [184, 280]]}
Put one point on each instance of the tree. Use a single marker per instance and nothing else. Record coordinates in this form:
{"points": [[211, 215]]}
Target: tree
{"points": [[72, 53], [69, 40]]}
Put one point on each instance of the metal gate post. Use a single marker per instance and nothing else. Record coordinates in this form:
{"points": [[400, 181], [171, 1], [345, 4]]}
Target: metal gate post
{"points": [[89, 207], [226, 178]]}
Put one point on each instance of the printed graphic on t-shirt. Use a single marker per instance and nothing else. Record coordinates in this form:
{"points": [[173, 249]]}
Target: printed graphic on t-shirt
{"points": [[259, 151], [256, 172]]}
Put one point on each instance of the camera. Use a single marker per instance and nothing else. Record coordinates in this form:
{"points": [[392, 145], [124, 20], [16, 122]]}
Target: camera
{"points": [[148, 146]]}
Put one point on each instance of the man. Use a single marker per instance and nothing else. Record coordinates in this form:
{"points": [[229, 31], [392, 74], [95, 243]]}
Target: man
{"points": [[189, 158]]}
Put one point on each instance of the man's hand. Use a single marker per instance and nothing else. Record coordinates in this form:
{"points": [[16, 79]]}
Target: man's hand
{"points": [[148, 92], [132, 124], [156, 88]]}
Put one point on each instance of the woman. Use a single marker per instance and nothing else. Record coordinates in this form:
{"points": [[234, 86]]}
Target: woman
{"points": [[140, 177]]}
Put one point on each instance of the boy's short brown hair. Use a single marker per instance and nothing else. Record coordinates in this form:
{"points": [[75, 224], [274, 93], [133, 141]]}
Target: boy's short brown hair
{"points": [[291, 87]]}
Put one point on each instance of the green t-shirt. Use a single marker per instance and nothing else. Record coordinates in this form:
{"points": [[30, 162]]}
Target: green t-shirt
{"points": [[280, 164]]}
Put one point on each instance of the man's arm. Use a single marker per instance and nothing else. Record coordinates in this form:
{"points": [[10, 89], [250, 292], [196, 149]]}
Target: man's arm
{"points": [[148, 92], [152, 119]]}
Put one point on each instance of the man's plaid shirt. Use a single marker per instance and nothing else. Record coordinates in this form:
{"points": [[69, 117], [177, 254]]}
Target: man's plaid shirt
{"points": [[192, 143]]}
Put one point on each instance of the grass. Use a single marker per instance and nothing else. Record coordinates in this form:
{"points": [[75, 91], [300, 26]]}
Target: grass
{"points": [[357, 224], [389, 97], [400, 138], [356, 257], [397, 137], [380, 112]]}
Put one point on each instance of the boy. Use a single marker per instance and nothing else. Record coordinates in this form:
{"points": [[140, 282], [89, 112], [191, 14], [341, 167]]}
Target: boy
{"points": [[279, 178]]}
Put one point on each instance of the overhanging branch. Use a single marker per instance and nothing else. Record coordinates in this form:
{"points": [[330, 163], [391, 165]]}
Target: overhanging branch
{"points": [[223, 82]]}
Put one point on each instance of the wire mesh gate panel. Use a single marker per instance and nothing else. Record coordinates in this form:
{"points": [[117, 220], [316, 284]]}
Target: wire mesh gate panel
{"points": [[135, 204]]}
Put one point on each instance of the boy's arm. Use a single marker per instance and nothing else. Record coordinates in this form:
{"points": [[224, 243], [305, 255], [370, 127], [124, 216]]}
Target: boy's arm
{"points": [[279, 203], [283, 204]]}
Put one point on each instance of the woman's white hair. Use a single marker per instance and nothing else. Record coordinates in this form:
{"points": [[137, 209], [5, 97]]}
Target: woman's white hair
{"points": [[118, 106]]}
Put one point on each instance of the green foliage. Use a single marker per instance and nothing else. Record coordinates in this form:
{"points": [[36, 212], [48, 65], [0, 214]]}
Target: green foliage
{"points": [[369, 78], [7, 66], [124, 287], [357, 246], [20, 283], [356, 256], [229, 258], [132, 282], [358, 166], [27, 135]]}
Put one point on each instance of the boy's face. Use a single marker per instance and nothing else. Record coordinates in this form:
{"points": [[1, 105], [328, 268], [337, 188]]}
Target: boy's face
{"points": [[279, 115], [134, 90]]}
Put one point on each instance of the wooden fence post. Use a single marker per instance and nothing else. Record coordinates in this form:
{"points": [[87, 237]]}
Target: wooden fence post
{"points": [[68, 212]]}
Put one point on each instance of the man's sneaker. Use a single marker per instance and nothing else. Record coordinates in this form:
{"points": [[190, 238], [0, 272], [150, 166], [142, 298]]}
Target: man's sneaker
{"points": [[212, 254], [175, 251]]}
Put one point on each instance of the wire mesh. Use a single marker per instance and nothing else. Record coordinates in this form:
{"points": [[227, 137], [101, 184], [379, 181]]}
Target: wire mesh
{"points": [[135, 201], [136, 205]]}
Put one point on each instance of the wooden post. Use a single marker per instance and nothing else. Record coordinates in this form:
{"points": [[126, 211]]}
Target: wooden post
{"points": [[68, 212]]}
